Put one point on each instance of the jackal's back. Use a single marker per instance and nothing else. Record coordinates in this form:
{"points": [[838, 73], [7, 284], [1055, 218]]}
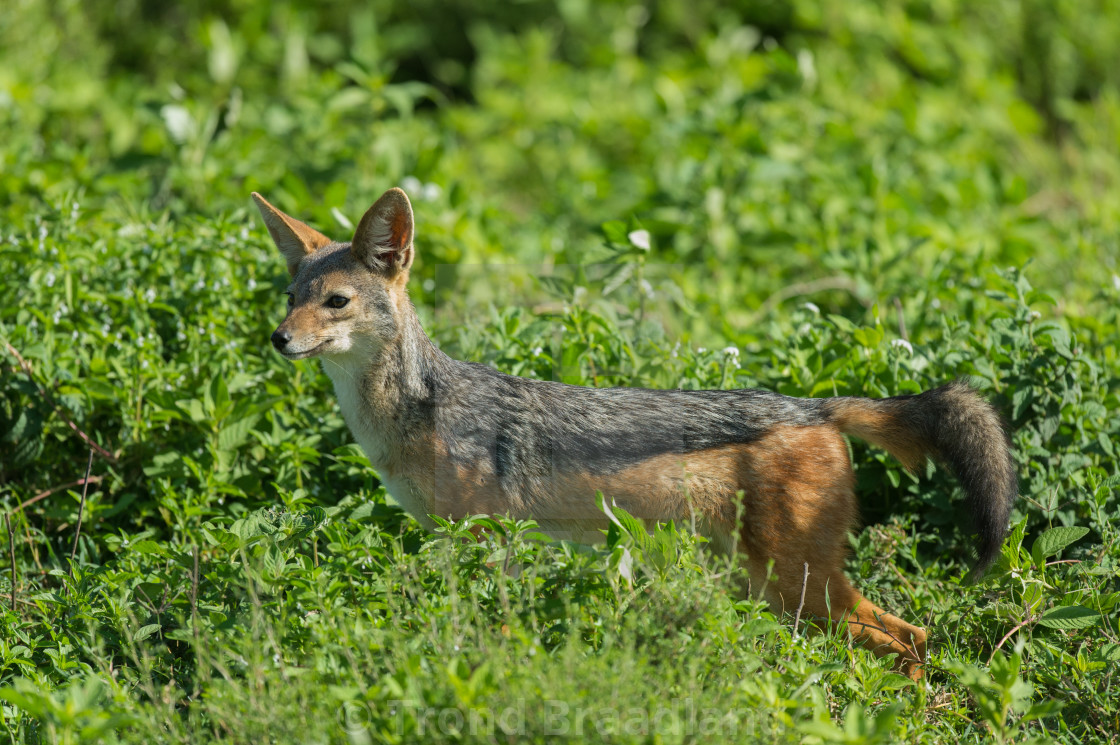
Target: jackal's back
{"points": [[524, 424]]}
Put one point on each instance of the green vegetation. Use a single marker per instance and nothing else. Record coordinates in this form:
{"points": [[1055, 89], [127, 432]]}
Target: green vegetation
{"points": [[867, 198]]}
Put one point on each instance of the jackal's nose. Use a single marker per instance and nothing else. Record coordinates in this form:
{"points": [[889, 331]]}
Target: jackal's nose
{"points": [[280, 338]]}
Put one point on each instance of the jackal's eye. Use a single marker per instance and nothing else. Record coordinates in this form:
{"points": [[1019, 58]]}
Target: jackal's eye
{"points": [[291, 299], [337, 301]]}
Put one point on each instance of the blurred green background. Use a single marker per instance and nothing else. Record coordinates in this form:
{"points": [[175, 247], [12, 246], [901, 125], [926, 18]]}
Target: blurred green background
{"points": [[762, 141], [869, 197]]}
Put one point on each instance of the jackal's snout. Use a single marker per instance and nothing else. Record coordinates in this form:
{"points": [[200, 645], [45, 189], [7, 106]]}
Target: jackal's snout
{"points": [[280, 338]]}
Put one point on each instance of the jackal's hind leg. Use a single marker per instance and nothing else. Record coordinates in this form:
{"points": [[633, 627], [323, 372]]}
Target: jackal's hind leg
{"points": [[800, 505]]}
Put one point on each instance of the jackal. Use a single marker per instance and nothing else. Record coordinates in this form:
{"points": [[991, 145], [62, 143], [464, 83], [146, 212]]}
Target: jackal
{"points": [[766, 477]]}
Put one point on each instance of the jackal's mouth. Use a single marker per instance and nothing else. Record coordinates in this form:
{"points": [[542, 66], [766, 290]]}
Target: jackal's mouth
{"points": [[307, 353]]}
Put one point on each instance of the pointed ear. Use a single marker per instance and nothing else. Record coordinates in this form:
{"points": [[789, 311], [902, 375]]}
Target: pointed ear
{"points": [[294, 239], [383, 240]]}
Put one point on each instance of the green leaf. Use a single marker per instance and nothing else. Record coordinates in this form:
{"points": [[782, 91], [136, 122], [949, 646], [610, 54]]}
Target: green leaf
{"points": [[146, 631], [1060, 340], [1054, 540], [274, 562], [1069, 617], [868, 337], [234, 433], [1020, 401], [615, 232], [842, 323], [760, 626], [1108, 653]]}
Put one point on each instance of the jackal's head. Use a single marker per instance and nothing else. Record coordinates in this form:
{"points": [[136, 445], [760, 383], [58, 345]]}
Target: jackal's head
{"points": [[345, 298]]}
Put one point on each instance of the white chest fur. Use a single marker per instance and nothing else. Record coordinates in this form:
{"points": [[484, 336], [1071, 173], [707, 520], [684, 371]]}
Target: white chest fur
{"points": [[374, 438]]}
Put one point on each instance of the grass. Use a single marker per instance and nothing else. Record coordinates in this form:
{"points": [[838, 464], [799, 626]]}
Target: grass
{"points": [[869, 199]]}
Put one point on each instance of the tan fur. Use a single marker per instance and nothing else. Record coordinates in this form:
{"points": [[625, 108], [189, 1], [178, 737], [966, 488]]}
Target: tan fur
{"points": [[801, 508], [881, 428]]}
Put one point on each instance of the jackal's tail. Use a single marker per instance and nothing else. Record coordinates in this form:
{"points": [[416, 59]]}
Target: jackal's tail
{"points": [[951, 424]]}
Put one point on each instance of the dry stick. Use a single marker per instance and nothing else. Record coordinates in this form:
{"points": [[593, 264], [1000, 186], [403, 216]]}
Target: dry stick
{"points": [[81, 511], [808, 288], [55, 489], [31, 546], [804, 583], [887, 632], [1029, 619], [194, 593], [901, 320], [26, 367], [12, 554]]}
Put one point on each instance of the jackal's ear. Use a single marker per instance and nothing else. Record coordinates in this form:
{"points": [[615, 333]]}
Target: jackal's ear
{"points": [[383, 240], [294, 239]]}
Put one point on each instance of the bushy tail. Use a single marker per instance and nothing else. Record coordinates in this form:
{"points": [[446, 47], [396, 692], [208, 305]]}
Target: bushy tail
{"points": [[951, 424]]}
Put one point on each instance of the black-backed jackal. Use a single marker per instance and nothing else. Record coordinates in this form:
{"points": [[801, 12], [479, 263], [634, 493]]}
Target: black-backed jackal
{"points": [[453, 439]]}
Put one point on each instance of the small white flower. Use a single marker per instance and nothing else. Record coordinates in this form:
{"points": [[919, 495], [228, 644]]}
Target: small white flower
{"points": [[1035, 315], [429, 285], [578, 294], [732, 351], [150, 295], [1116, 282], [537, 351], [646, 287], [676, 348], [804, 329], [49, 279], [639, 239], [935, 304], [812, 307], [412, 185], [431, 192], [252, 284], [902, 344], [701, 350]]}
